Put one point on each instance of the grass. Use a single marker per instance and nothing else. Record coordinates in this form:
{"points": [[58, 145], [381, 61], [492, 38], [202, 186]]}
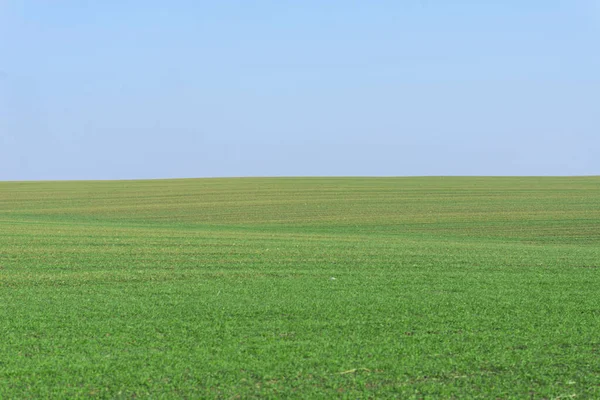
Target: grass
{"points": [[301, 287]]}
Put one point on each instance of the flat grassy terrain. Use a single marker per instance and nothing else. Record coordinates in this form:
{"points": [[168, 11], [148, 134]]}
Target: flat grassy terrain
{"points": [[301, 288]]}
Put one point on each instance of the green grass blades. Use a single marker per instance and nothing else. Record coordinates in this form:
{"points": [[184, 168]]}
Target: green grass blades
{"points": [[301, 288]]}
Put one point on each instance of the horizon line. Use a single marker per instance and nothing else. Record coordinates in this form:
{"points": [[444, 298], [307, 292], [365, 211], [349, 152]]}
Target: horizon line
{"points": [[292, 177]]}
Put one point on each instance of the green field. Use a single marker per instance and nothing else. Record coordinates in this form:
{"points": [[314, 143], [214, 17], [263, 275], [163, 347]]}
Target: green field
{"points": [[301, 288]]}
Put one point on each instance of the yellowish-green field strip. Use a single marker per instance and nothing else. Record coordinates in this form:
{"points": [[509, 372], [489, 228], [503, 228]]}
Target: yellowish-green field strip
{"points": [[301, 287]]}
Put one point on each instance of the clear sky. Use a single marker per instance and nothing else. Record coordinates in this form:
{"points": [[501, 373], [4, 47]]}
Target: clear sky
{"points": [[153, 89]]}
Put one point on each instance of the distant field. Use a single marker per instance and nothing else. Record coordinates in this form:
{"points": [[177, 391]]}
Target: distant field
{"points": [[301, 288]]}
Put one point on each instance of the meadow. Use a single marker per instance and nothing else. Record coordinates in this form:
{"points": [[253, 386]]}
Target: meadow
{"points": [[433, 287]]}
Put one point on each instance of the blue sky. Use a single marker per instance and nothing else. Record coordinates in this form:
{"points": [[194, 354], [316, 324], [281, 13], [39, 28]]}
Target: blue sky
{"points": [[155, 89]]}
